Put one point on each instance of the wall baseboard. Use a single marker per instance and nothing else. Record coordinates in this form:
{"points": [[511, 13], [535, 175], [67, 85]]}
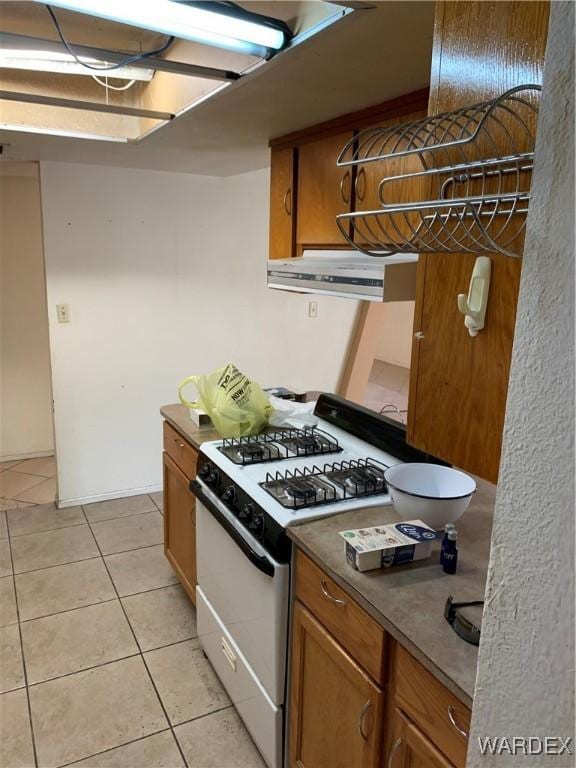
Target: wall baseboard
{"points": [[24, 456], [63, 503]]}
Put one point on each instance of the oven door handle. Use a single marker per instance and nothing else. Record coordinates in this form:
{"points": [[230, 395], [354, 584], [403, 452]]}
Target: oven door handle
{"points": [[259, 561]]}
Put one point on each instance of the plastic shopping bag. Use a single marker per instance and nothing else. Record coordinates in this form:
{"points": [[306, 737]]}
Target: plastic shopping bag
{"points": [[236, 405]]}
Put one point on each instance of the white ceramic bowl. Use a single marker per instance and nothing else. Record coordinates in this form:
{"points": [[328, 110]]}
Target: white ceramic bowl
{"points": [[429, 492]]}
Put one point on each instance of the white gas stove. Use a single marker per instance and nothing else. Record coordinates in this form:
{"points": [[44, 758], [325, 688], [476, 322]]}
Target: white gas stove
{"points": [[311, 473], [249, 491]]}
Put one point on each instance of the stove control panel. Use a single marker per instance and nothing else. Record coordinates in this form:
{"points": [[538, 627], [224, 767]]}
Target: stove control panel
{"points": [[255, 519]]}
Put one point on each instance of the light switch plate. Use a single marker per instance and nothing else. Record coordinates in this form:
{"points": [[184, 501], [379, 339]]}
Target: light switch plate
{"points": [[312, 309], [63, 313]]}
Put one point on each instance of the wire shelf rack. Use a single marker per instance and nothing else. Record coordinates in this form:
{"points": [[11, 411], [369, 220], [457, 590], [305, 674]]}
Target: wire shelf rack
{"points": [[460, 181]]}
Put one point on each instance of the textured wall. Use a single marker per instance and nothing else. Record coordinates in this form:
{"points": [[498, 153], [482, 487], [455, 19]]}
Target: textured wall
{"points": [[525, 684]]}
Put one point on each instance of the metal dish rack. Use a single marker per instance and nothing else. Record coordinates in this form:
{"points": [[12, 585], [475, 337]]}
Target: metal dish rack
{"points": [[471, 169]]}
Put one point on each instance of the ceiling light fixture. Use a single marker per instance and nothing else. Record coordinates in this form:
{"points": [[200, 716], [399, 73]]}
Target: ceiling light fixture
{"points": [[221, 26], [64, 63]]}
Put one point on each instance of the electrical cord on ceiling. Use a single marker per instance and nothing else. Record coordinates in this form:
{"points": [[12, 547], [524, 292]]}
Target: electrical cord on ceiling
{"points": [[106, 84], [129, 60]]}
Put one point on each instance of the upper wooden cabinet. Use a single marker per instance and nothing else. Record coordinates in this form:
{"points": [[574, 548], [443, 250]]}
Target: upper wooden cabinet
{"points": [[324, 191], [459, 383], [336, 709], [368, 191], [308, 190], [282, 203]]}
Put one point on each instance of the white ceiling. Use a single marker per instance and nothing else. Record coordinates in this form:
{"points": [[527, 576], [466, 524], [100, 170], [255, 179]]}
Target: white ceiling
{"points": [[368, 57]]}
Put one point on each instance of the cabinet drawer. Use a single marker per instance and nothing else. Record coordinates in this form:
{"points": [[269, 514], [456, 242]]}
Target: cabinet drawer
{"points": [[180, 451], [360, 635], [436, 711]]}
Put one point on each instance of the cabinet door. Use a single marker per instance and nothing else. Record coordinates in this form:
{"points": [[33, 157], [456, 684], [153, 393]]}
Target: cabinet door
{"points": [[369, 195], [411, 749], [180, 526], [282, 203], [335, 709], [459, 383], [324, 190]]}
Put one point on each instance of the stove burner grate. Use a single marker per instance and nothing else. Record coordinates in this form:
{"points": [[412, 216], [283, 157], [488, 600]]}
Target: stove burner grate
{"points": [[284, 444], [339, 481]]}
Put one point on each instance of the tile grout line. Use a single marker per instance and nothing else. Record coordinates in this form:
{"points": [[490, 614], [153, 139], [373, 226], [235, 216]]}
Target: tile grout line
{"points": [[89, 605], [32, 487], [84, 559], [149, 735], [56, 565], [139, 648], [44, 530], [76, 525], [106, 663], [121, 517], [155, 504], [111, 749], [32, 737], [84, 669]]}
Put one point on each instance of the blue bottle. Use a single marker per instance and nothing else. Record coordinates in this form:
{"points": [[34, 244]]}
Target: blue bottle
{"points": [[451, 553], [448, 527]]}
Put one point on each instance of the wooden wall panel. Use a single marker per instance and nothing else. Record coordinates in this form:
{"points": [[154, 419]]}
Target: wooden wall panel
{"points": [[458, 383]]}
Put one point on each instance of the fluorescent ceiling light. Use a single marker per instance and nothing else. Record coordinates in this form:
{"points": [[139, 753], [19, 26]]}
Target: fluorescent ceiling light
{"points": [[64, 63], [183, 21]]}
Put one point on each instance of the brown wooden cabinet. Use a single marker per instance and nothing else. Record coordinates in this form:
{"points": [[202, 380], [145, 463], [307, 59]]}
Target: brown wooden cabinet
{"points": [[436, 711], [411, 749], [308, 190], [336, 709], [282, 203], [357, 698], [368, 191], [459, 383], [179, 514], [324, 191]]}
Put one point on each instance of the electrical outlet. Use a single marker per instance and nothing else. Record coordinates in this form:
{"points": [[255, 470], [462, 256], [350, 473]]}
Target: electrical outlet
{"points": [[63, 313], [313, 309]]}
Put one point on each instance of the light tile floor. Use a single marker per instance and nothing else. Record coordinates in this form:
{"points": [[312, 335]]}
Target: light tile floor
{"points": [[27, 482], [388, 385], [100, 665]]}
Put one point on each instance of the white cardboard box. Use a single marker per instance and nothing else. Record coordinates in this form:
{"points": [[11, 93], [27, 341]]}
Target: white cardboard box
{"points": [[385, 545], [200, 418]]}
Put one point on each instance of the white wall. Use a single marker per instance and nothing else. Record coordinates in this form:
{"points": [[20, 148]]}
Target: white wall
{"points": [[165, 276], [525, 684], [25, 395], [396, 332]]}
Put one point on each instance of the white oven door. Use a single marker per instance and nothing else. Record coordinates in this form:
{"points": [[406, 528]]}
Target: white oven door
{"points": [[247, 589]]}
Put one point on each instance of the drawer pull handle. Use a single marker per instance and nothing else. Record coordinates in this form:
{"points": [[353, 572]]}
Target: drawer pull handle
{"points": [[363, 713], [361, 189], [452, 718], [393, 751], [179, 443], [345, 187], [328, 596], [229, 654]]}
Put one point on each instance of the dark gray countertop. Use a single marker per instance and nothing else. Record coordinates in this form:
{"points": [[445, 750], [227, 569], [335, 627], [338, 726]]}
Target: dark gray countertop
{"points": [[408, 601]]}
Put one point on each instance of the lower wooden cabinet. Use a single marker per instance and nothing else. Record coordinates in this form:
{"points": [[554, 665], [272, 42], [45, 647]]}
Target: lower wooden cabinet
{"points": [[411, 749], [180, 525], [336, 709], [431, 707]]}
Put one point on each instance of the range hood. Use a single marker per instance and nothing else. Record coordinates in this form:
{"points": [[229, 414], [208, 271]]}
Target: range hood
{"points": [[347, 274]]}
